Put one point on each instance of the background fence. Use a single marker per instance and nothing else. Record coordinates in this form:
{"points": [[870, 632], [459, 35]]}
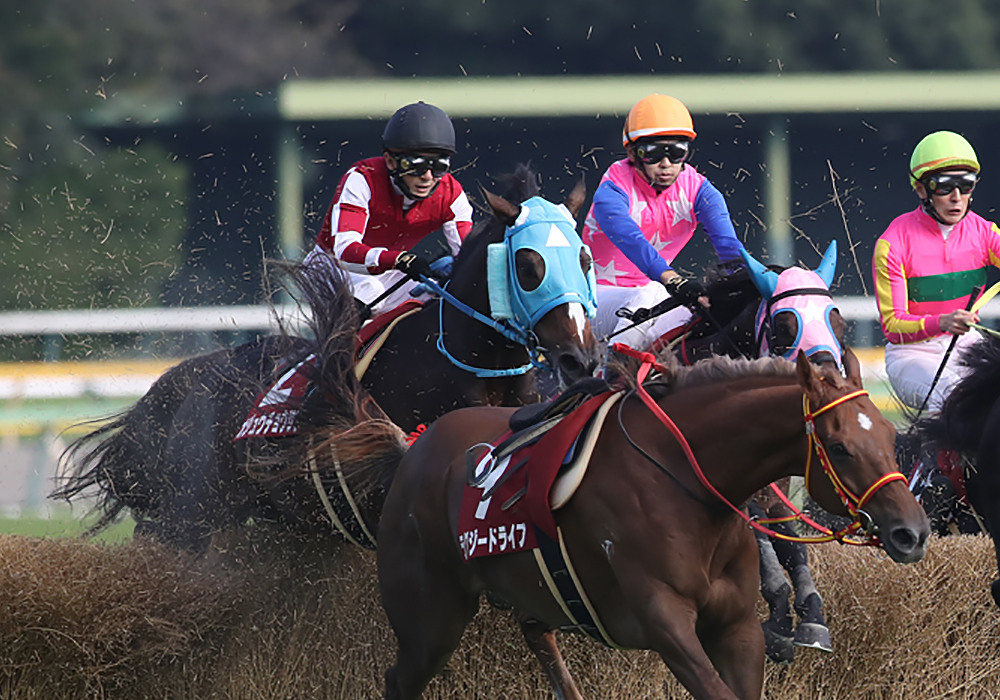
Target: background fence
{"points": [[42, 403]]}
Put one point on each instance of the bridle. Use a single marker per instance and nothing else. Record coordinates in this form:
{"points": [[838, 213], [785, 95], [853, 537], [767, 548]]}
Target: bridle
{"points": [[854, 504]]}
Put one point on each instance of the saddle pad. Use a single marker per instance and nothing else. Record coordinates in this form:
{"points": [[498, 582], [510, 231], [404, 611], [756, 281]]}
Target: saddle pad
{"points": [[275, 409], [500, 514]]}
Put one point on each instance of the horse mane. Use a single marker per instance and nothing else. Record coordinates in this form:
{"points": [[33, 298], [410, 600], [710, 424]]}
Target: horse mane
{"points": [[716, 369], [521, 185], [962, 418]]}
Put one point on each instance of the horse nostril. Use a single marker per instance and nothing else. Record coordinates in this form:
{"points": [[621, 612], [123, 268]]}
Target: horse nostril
{"points": [[570, 366], [904, 539]]}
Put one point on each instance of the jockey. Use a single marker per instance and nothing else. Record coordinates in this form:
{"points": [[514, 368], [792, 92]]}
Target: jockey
{"points": [[646, 208], [925, 267], [384, 206]]}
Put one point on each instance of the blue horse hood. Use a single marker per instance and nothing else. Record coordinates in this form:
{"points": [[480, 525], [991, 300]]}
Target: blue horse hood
{"points": [[549, 230]]}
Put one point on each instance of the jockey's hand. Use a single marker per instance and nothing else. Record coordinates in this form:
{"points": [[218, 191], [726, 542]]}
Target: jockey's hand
{"points": [[690, 292], [413, 266], [957, 322]]}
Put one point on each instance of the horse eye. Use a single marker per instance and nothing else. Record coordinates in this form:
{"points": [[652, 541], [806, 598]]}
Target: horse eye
{"points": [[838, 451], [586, 262], [530, 269]]}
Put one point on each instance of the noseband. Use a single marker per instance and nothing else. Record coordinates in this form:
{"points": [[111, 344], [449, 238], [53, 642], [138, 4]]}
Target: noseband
{"points": [[854, 504]]}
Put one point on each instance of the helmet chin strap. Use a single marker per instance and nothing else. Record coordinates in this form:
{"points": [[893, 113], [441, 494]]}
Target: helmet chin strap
{"points": [[397, 178], [932, 212]]}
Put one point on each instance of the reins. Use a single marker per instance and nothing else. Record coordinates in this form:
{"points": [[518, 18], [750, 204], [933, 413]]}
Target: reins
{"points": [[508, 330], [853, 503]]}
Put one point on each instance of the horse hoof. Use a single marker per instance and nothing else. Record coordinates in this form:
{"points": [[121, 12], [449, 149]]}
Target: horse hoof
{"points": [[813, 636], [778, 648]]}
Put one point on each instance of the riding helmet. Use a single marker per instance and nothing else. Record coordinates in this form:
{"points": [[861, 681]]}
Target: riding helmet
{"points": [[419, 127], [939, 151], [657, 115]]}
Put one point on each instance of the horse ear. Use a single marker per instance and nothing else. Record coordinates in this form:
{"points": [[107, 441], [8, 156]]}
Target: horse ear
{"points": [[852, 367], [808, 379], [505, 212], [763, 279], [828, 266], [576, 198]]}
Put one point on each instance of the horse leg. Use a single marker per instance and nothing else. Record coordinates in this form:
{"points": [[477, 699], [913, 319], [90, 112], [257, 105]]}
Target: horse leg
{"points": [[541, 640], [774, 588], [811, 631], [427, 602], [726, 667]]}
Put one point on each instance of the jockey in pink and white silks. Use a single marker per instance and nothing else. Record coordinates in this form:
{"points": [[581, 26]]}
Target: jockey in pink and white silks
{"points": [[646, 208], [925, 267]]}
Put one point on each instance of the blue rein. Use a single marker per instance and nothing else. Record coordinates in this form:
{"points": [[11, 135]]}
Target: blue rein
{"points": [[512, 332]]}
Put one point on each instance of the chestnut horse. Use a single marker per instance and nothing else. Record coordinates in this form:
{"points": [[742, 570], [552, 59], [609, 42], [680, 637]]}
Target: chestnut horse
{"points": [[665, 558]]}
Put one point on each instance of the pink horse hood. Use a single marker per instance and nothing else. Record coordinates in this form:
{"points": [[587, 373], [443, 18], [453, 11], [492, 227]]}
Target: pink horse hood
{"points": [[805, 293]]}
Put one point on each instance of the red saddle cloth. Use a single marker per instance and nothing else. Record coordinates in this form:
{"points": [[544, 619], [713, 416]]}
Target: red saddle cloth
{"points": [[275, 409], [485, 526]]}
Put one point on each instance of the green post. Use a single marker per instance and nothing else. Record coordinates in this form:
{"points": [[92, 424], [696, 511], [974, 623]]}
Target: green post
{"points": [[778, 193], [290, 192]]}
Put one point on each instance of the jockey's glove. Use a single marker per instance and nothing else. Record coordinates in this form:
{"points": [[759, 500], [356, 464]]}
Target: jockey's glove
{"points": [[413, 266], [684, 289]]}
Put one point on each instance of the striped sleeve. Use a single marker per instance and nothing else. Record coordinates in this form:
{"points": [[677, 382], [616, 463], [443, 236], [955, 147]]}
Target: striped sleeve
{"points": [[898, 324]]}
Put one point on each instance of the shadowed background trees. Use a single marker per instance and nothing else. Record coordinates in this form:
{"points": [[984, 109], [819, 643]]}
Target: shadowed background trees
{"points": [[86, 222]]}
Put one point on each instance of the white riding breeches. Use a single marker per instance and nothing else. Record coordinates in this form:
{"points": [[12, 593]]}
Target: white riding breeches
{"points": [[366, 288], [610, 299], [911, 368]]}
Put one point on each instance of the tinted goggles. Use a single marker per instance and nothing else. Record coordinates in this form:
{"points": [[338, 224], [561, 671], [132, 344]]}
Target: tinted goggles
{"points": [[945, 183], [652, 153], [411, 164]]}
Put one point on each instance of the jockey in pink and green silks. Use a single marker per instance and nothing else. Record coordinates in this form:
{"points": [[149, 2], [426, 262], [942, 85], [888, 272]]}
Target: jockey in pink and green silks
{"points": [[926, 265]]}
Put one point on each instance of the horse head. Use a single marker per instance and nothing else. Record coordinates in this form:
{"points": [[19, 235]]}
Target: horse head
{"points": [[541, 280], [797, 311], [861, 475]]}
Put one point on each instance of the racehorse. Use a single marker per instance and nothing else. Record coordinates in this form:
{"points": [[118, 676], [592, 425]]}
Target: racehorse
{"points": [[969, 423], [172, 458], [664, 558], [756, 312]]}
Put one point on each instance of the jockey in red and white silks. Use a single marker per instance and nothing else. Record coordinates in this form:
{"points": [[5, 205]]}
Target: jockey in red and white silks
{"points": [[384, 206], [371, 222], [925, 267], [635, 232]]}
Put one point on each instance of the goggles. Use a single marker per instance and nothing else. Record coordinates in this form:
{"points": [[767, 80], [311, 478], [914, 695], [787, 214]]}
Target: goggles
{"points": [[412, 164], [945, 183], [652, 153]]}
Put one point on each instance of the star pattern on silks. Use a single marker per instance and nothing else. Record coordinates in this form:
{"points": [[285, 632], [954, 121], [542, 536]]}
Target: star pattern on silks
{"points": [[682, 208], [608, 273], [636, 208]]}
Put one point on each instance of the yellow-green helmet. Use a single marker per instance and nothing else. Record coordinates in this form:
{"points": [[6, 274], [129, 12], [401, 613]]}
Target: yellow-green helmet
{"points": [[941, 150]]}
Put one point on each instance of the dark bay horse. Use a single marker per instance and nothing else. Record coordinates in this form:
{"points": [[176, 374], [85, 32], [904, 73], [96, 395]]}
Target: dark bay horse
{"points": [[666, 564], [172, 458], [969, 423]]}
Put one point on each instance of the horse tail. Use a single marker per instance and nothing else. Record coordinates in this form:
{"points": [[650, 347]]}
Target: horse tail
{"points": [[961, 421], [119, 463], [339, 414]]}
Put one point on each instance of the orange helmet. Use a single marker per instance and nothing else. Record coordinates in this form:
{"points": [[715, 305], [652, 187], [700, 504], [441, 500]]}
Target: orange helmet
{"points": [[657, 115]]}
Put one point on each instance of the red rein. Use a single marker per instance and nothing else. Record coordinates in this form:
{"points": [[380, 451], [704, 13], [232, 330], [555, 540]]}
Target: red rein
{"points": [[851, 502]]}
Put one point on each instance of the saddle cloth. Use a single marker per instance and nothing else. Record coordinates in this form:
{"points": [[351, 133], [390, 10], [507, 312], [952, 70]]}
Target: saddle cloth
{"points": [[516, 493], [275, 409]]}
